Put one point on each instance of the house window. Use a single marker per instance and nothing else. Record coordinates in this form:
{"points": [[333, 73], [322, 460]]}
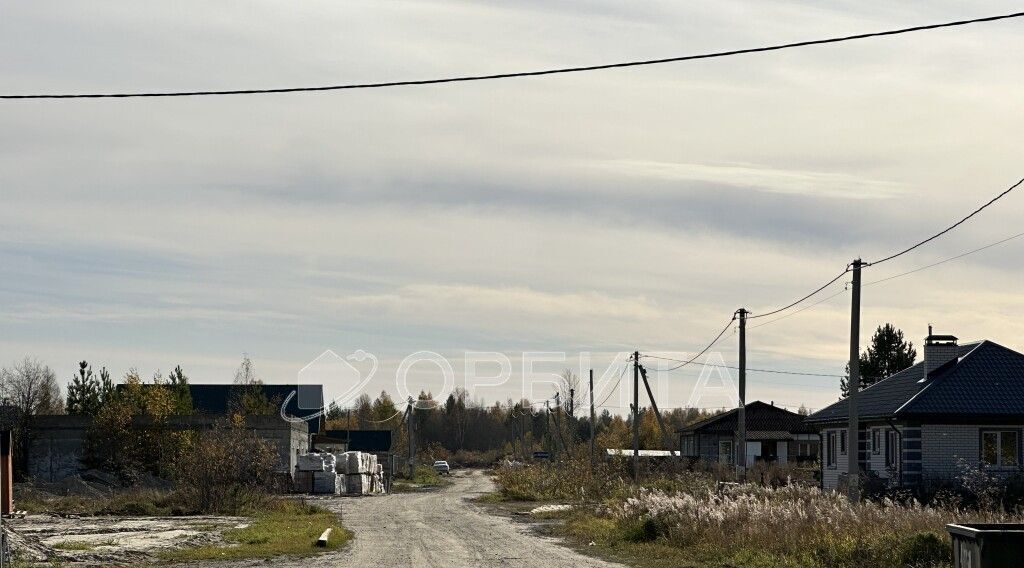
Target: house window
{"points": [[892, 449], [842, 442], [725, 453], [876, 441], [1000, 448], [688, 446], [830, 450]]}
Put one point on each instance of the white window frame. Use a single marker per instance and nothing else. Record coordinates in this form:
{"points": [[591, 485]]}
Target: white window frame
{"points": [[830, 450], [999, 448], [892, 449], [730, 454], [842, 442], [876, 441]]}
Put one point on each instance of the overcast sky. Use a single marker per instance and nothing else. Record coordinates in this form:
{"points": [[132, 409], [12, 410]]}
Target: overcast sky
{"points": [[601, 212]]}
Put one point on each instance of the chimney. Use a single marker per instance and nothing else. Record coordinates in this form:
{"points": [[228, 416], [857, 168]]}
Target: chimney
{"points": [[938, 350]]}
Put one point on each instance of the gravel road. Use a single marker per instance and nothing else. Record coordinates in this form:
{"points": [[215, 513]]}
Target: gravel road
{"points": [[435, 528]]}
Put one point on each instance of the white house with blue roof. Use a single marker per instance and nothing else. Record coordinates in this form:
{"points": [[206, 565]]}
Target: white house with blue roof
{"points": [[963, 404]]}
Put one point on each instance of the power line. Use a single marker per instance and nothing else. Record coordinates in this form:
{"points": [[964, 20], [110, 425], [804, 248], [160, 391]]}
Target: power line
{"points": [[776, 371], [805, 298], [709, 346], [807, 307], [560, 70], [949, 228], [613, 389], [944, 261]]}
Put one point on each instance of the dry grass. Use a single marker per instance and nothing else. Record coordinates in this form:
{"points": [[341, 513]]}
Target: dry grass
{"points": [[685, 520], [287, 528]]}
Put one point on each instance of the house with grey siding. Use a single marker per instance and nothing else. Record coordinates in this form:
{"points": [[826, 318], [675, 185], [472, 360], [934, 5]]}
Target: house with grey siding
{"points": [[962, 406], [773, 434]]}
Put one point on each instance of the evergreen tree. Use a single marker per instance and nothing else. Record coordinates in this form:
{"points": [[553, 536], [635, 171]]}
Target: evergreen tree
{"points": [[887, 355], [83, 392], [106, 387], [178, 383]]}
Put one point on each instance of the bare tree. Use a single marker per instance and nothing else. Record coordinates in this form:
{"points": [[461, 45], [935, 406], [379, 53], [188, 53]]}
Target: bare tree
{"points": [[32, 387], [246, 373], [572, 394]]}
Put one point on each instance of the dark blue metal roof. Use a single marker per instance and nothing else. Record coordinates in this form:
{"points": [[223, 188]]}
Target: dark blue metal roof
{"points": [[986, 381], [362, 440], [215, 399], [759, 417]]}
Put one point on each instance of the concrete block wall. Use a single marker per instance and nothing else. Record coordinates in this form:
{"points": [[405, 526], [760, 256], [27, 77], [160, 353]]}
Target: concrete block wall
{"points": [[55, 446], [57, 443]]}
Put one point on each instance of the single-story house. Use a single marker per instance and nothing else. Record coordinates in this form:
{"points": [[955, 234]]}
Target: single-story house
{"points": [[773, 434], [962, 406]]}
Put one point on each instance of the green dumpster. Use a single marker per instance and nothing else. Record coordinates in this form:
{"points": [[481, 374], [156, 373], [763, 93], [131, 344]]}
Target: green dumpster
{"points": [[987, 545]]}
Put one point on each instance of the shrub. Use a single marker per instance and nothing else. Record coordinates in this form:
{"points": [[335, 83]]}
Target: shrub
{"points": [[641, 530], [925, 549], [228, 469]]}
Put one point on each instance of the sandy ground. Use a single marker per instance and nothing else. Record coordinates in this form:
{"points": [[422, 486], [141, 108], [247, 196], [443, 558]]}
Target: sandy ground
{"points": [[434, 528], [106, 541]]}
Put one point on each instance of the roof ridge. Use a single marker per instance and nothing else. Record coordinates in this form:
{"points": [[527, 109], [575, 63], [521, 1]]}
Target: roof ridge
{"points": [[967, 358]]}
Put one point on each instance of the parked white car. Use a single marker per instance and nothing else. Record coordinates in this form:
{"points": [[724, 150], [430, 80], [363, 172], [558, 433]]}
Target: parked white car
{"points": [[441, 466]]}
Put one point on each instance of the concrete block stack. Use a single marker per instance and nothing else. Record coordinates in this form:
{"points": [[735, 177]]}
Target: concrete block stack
{"points": [[328, 483], [359, 469], [315, 473]]}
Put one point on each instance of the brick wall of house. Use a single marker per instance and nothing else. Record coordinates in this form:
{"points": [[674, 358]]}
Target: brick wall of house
{"points": [[943, 445]]}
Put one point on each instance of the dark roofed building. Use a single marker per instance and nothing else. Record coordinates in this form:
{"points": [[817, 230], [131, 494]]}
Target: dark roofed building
{"points": [[773, 434], [963, 404], [371, 441], [303, 401]]}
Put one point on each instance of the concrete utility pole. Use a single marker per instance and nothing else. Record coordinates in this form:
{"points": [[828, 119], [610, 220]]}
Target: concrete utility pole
{"points": [[853, 435], [636, 416], [741, 418], [412, 438], [593, 417]]}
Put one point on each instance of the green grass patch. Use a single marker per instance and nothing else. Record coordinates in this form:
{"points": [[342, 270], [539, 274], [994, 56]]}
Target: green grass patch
{"points": [[423, 478], [73, 545], [286, 528], [125, 502]]}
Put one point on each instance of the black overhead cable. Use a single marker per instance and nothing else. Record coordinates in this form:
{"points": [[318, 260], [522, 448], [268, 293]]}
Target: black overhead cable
{"points": [[949, 228], [805, 308], [944, 261], [705, 350], [560, 70], [613, 389], [776, 371], [801, 300]]}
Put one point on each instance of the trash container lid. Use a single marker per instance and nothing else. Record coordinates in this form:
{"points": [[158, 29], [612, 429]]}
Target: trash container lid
{"points": [[977, 529]]}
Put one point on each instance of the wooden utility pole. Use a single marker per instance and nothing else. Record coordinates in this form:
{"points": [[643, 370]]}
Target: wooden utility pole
{"points": [[547, 424], [741, 451], [853, 434], [412, 438], [572, 422], [558, 423], [636, 416], [593, 417], [665, 438]]}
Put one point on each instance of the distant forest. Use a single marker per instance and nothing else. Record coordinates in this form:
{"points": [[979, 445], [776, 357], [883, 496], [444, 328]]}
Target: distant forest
{"points": [[459, 428]]}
